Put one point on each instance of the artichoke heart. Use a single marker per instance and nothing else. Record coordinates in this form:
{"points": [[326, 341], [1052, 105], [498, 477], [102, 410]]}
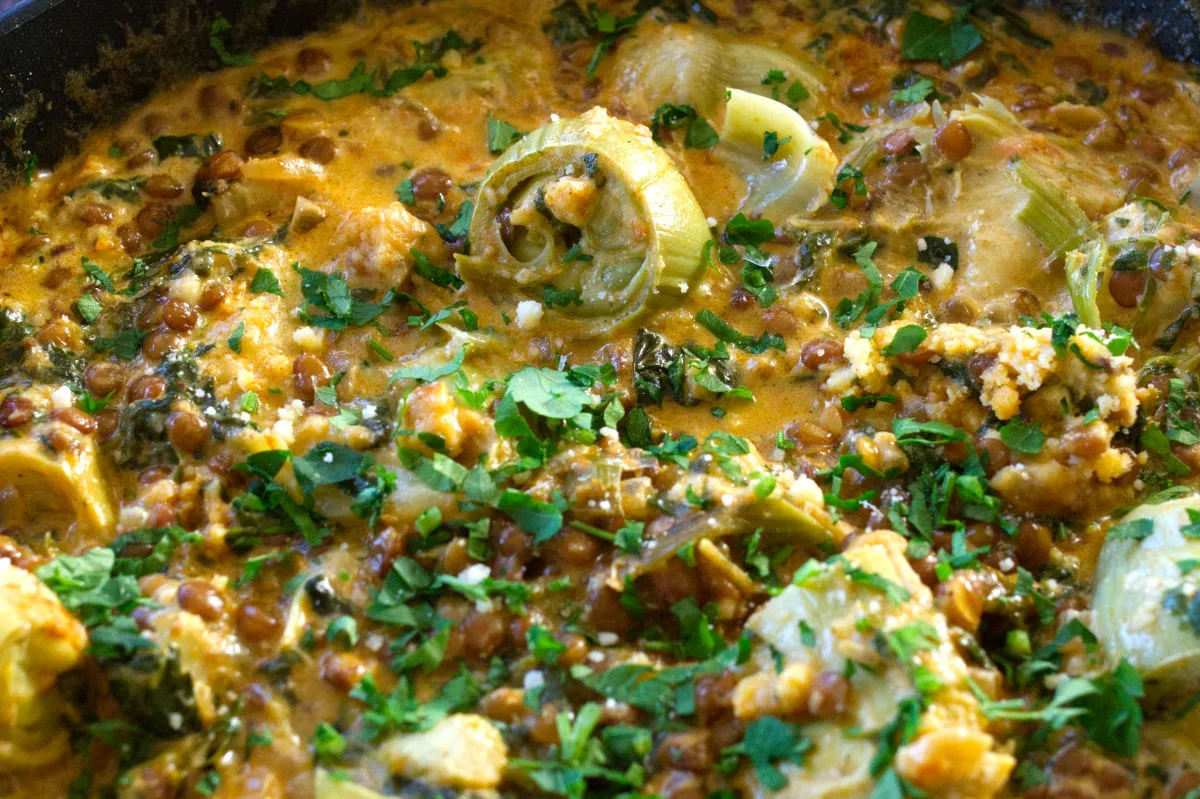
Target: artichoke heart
{"points": [[592, 207], [789, 169], [780, 520], [682, 64], [54, 487], [1147, 600], [39, 640]]}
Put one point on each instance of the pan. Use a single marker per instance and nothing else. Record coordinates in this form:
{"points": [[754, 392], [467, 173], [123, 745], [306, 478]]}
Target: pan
{"points": [[67, 66]]}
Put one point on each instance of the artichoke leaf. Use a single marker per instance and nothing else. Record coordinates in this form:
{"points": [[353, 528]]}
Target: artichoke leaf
{"points": [[50, 484], [1145, 604], [593, 207], [682, 64], [789, 169], [781, 521]]}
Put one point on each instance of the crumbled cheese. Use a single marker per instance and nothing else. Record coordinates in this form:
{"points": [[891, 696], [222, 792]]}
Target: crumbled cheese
{"points": [[607, 638], [368, 411], [309, 338], [133, 517], [529, 314], [186, 287], [328, 457], [475, 574], [284, 431], [61, 397], [941, 277], [533, 680]]}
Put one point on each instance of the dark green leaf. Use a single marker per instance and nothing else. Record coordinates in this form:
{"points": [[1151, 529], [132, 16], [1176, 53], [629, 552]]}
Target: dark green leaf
{"points": [[265, 282], [929, 39], [907, 339], [501, 135], [1021, 437], [540, 519]]}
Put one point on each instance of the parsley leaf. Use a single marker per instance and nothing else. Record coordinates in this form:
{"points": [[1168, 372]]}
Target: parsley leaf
{"points": [[907, 339], [699, 135], [540, 519], [547, 392], [501, 135], [730, 335], [772, 143], [235, 341], [946, 41], [1132, 529], [847, 310], [768, 741], [1022, 437], [265, 282]]}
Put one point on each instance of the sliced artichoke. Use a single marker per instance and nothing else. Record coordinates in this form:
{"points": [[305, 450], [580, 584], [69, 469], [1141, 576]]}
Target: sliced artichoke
{"points": [[462, 751], [589, 205], [54, 487], [789, 169], [39, 640], [682, 64], [781, 521], [1147, 600]]}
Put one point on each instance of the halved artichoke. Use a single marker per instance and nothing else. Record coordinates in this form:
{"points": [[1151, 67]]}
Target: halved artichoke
{"points": [[589, 205], [684, 64], [1146, 603], [781, 520], [55, 487], [39, 640], [788, 168]]}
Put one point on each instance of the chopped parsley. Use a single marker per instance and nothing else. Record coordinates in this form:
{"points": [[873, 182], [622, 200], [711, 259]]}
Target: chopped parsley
{"points": [[699, 135]]}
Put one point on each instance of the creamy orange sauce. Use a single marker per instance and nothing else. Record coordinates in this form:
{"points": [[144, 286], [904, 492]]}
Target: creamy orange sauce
{"points": [[136, 276]]}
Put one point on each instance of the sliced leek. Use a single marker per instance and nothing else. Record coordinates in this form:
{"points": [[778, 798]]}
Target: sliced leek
{"points": [[797, 176], [1085, 271], [589, 205], [1054, 218]]}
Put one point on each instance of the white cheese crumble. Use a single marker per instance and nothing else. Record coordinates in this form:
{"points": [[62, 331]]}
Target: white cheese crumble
{"points": [[534, 679], [942, 276], [529, 314], [309, 338], [475, 574], [61, 397]]}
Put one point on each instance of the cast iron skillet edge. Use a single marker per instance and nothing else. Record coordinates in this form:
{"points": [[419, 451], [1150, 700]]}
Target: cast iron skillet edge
{"points": [[67, 66]]}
